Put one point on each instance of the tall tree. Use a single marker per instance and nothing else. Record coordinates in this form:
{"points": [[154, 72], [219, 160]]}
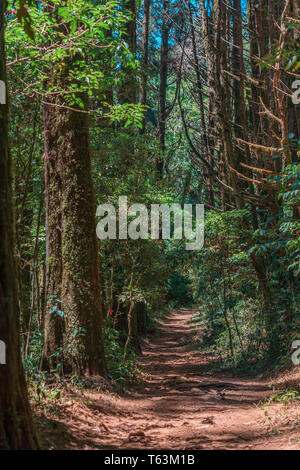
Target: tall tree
{"points": [[128, 90], [163, 82], [16, 426], [204, 138], [145, 57], [73, 324]]}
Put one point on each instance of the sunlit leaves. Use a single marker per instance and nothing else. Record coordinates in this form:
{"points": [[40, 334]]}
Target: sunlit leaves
{"points": [[81, 43]]}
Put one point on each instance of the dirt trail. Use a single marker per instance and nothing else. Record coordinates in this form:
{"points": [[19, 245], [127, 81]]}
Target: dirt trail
{"points": [[181, 406]]}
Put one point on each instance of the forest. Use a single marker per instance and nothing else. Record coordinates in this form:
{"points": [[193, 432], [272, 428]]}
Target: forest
{"points": [[139, 342]]}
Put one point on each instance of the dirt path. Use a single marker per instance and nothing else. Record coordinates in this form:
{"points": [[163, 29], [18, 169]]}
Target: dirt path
{"points": [[181, 406]]}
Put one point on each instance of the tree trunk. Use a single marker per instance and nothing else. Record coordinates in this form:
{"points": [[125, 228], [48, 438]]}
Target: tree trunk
{"points": [[162, 95], [204, 137], [144, 61], [16, 426], [238, 89], [128, 91], [73, 324]]}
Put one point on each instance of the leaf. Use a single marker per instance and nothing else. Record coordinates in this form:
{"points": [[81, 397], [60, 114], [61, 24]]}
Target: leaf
{"points": [[63, 11], [73, 26]]}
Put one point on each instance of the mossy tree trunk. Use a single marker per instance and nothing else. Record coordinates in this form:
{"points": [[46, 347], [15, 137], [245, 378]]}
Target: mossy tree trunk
{"points": [[73, 325], [53, 319], [16, 426]]}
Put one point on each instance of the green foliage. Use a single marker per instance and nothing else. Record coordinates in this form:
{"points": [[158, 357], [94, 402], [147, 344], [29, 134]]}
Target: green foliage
{"points": [[76, 42], [120, 370], [285, 397], [235, 321], [178, 289]]}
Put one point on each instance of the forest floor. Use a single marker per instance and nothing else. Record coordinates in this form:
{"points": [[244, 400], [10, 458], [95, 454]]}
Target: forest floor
{"points": [[181, 404]]}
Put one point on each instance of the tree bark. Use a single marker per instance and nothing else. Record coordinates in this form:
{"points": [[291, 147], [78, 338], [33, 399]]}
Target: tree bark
{"points": [[204, 137], [16, 426], [144, 61], [128, 91], [162, 95], [73, 323]]}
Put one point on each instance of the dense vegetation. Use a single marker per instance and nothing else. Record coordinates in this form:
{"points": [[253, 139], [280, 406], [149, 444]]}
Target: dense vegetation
{"points": [[163, 102]]}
